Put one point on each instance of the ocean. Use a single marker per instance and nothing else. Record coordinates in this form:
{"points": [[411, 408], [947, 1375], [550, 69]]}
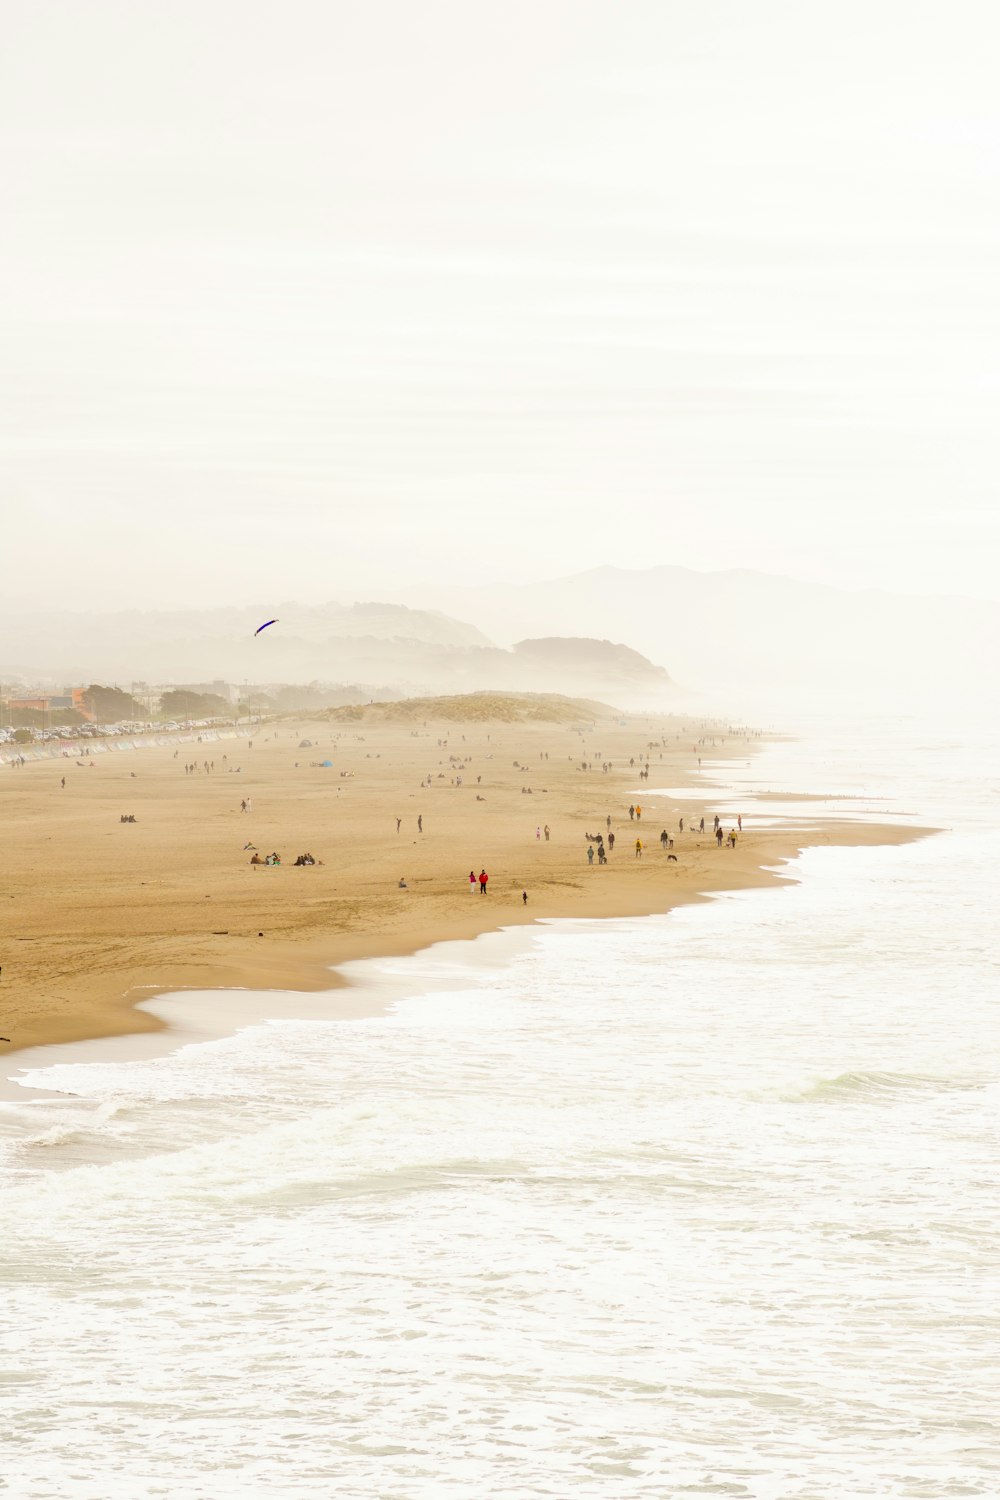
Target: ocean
{"points": [[695, 1204]]}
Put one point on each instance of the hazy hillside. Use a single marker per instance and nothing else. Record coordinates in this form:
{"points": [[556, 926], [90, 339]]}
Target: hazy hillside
{"points": [[214, 642], [567, 657], [390, 649], [754, 638]]}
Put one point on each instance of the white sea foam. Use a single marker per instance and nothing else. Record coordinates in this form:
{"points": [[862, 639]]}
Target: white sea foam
{"points": [[698, 1204]]}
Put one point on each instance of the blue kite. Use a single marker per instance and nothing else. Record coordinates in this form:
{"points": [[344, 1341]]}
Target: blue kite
{"points": [[264, 626]]}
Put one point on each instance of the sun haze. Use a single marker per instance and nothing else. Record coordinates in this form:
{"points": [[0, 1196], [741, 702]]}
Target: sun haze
{"points": [[297, 295]]}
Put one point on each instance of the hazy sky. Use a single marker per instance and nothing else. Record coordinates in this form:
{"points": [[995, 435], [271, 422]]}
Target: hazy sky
{"points": [[322, 299]]}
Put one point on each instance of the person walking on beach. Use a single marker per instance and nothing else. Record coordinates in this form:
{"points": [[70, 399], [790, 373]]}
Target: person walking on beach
{"points": [[590, 854], [420, 823], [664, 839], [524, 897], [631, 814], [607, 822], [701, 826], [472, 882], [546, 830], [483, 878], [680, 825], [399, 824], [739, 821], [718, 835], [638, 848], [638, 814], [611, 841], [538, 832]]}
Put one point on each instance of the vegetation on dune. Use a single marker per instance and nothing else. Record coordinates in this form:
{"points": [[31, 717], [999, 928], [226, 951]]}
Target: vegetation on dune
{"points": [[506, 708]]}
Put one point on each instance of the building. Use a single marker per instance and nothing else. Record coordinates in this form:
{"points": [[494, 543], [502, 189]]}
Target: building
{"points": [[34, 705]]}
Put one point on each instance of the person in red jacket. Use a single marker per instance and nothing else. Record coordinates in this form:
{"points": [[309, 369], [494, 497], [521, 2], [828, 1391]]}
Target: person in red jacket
{"points": [[483, 878]]}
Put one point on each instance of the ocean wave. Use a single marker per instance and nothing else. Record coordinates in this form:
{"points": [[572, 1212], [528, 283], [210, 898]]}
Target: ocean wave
{"points": [[875, 1084]]}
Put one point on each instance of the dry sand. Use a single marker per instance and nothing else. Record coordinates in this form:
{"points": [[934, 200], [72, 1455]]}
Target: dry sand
{"points": [[96, 914]]}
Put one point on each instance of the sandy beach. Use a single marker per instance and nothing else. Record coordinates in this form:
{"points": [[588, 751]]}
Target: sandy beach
{"points": [[98, 914]]}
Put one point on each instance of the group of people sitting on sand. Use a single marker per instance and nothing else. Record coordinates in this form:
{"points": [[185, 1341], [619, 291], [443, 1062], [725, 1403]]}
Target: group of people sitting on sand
{"points": [[275, 859], [127, 818]]}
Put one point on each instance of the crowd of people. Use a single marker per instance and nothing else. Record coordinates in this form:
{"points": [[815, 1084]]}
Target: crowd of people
{"points": [[599, 845]]}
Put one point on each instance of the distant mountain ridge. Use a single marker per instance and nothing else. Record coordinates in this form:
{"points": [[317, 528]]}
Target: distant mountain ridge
{"points": [[385, 647]]}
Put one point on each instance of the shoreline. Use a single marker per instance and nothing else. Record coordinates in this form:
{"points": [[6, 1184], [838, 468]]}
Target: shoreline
{"points": [[313, 964], [341, 994]]}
